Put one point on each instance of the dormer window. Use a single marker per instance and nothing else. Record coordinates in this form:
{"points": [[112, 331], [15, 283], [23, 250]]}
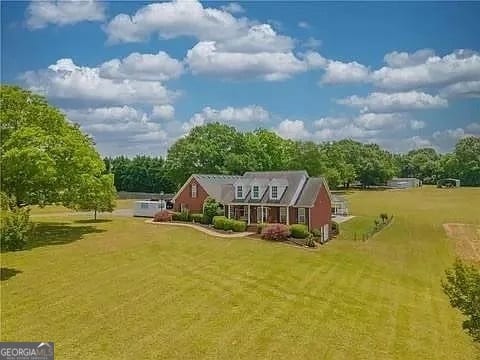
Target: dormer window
{"points": [[274, 192], [255, 192], [239, 192], [194, 190]]}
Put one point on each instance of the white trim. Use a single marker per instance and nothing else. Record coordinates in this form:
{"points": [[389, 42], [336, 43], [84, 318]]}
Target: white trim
{"points": [[253, 192], [183, 187], [285, 215], [248, 219], [309, 219], [271, 192], [298, 215], [193, 194], [239, 187], [328, 190]]}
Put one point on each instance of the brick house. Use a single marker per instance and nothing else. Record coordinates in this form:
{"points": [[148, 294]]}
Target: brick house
{"points": [[288, 197]]}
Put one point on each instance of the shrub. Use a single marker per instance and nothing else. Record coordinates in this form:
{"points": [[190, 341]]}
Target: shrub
{"points": [[198, 218], [162, 216], [310, 242], [384, 217], [16, 229], [228, 224], [239, 226], [210, 209], [219, 222], [276, 232], [299, 231], [317, 232], [181, 216], [462, 286]]}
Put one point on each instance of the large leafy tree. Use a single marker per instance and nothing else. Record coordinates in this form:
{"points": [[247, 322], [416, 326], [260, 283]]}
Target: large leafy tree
{"points": [[140, 174], [94, 193], [462, 286], [424, 164], [467, 154], [44, 158], [204, 150]]}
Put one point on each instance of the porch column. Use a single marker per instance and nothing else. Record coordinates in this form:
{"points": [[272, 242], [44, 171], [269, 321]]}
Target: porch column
{"points": [[288, 215], [248, 216], [228, 211], [261, 214]]}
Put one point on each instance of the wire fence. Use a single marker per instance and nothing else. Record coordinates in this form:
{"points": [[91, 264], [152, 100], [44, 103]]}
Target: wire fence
{"points": [[380, 223]]}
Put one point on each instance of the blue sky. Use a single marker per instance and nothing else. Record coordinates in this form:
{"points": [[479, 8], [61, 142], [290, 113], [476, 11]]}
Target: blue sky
{"points": [[138, 75]]}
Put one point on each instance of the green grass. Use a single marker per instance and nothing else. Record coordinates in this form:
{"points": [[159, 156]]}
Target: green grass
{"points": [[55, 209], [124, 289]]}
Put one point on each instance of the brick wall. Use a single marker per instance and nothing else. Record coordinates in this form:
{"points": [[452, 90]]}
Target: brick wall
{"points": [[194, 205], [321, 213]]}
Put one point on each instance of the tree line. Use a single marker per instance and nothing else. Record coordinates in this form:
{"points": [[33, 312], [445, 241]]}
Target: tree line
{"points": [[221, 149]]}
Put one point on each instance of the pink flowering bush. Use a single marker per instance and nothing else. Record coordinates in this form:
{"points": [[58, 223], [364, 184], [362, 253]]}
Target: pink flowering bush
{"points": [[277, 232]]}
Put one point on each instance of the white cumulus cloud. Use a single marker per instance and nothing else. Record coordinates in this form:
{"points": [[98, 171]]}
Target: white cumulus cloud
{"points": [[292, 129], [393, 102], [233, 8], [229, 115], [60, 12], [164, 112], [461, 65], [138, 66], [205, 58], [337, 72], [173, 19], [66, 80], [464, 89], [402, 59]]}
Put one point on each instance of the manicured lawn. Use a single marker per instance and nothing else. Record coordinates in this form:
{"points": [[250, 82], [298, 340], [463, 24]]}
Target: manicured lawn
{"points": [[55, 209], [127, 290]]}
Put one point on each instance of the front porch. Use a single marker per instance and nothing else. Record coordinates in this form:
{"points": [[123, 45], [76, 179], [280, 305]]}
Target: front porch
{"points": [[261, 214]]}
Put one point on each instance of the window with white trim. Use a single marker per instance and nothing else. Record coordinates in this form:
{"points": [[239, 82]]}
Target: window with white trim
{"points": [[239, 192], [301, 216], [274, 192], [283, 215], [194, 190], [255, 192]]}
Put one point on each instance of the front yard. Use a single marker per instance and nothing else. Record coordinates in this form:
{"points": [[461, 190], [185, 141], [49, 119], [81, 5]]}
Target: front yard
{"points": [[120, 288]]}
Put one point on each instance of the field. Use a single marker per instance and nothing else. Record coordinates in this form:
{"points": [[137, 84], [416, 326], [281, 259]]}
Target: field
{"points": [[123, 289]]}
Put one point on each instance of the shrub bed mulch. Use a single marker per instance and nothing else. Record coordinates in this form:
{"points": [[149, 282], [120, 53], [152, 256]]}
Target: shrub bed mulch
{"points": [[208, 227], [299, 243]]}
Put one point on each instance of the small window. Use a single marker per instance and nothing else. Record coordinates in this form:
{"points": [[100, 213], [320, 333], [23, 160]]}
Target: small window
{"points": [[194, 190], [255, 192], [301, 216], [274, 192], [240, 192], [144, 205]]}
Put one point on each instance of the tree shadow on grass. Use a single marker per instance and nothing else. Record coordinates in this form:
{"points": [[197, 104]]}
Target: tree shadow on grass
{"points": [[92, 221], [7, 273], [58, 233]]}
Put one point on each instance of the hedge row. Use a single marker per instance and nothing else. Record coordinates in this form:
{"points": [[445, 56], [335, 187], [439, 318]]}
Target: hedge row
{"points": [[189, 217], [223, 223]]}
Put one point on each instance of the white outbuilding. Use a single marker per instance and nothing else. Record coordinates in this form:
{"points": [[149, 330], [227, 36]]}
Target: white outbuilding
{"points": [[148, 208], [404, 183]]}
